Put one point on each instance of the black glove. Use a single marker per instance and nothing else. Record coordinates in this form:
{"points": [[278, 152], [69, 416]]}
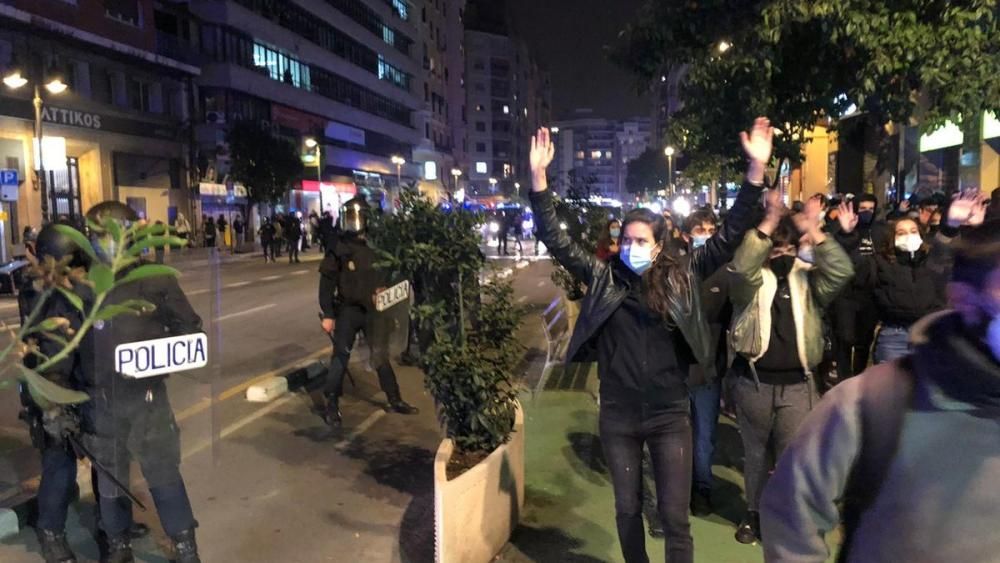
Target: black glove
{"points": [[60, 423]]}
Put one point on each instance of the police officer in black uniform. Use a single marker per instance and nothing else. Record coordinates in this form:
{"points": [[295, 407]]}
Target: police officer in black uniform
{"points": [[349, 282], [130, 418], [48, 428]]}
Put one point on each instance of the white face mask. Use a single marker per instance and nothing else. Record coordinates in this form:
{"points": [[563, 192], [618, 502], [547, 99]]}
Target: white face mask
{"points": [[637, 258], [909, 243], [806, 254]]}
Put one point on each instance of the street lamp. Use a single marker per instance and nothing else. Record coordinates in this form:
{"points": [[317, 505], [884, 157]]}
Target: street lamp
{"points": [[312, 143], [399, 162], [723, 46], [455, 173], [14, 79], [493, 185], [669, 151], [517, 189]]}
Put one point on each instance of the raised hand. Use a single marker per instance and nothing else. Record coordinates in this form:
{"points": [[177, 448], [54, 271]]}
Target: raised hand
{"points": [[847, 217], [774, 210], [968, 209], [757, 145], [543, 150]]}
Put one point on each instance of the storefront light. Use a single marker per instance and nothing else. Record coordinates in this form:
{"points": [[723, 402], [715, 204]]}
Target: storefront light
{"points": [[54, 152], [56, 86], [14, 79]]}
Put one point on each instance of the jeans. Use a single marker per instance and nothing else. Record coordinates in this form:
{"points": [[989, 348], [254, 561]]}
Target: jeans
{"points": [[893, 342], [172, 506], [56, 487], [770, 412], [705, 401], [625, 427]]}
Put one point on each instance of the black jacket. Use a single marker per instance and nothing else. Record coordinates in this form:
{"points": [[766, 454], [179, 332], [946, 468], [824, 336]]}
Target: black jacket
{"points": [[348, 276], [909, 288], [606, 292], [861, 244]]}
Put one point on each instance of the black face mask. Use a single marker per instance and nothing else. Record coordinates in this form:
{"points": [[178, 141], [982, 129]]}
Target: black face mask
{"points": [[866, 218], [782, 265]]}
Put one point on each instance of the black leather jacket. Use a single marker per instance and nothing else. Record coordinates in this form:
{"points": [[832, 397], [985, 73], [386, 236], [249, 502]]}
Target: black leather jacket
{"points": [[605, 293]]}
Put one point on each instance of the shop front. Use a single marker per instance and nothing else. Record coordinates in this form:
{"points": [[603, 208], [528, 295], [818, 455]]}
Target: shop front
{"points": [[224, 200], [326, 196]]}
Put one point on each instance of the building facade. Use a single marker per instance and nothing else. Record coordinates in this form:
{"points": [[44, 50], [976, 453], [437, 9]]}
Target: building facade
{"points": [[119, 128], [593, 153]]}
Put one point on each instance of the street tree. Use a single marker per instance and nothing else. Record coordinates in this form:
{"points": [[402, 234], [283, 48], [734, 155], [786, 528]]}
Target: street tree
{"points": [[264, 163], [647, 173], [912, 62]]}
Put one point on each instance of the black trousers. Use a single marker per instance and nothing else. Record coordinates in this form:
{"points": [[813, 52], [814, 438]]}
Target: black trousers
{"points": [[854, 322], [626, 426], [56, 487], [268, 245], [293, 250], [350, 320]]}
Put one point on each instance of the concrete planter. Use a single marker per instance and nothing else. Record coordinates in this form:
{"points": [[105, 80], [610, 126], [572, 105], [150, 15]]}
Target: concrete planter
{"points": [[476, 513]]}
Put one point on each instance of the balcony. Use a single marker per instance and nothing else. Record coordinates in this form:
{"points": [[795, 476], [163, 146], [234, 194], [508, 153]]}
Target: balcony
{"points": [[173, 47]]}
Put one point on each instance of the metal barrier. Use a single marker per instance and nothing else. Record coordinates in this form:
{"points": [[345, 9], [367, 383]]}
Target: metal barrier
{"points": [[558, 330]]}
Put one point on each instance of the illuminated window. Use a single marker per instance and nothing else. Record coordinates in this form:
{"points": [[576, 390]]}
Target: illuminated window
{"points": [[595, 155], [506, 110], [579, 155], [507, 170], [480, 167]]}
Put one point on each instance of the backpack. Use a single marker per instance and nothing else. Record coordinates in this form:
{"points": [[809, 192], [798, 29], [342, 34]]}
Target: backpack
{"points": [[886, 396]]}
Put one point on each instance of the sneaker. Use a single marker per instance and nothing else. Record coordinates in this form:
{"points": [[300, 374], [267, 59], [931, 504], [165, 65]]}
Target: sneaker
{"points": [[55, 548], [701, 503], [401, 407], [748, 531], [331, 414]]}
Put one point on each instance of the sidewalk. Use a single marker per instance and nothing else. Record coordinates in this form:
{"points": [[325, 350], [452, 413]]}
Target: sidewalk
{"points": [[569, 504]]}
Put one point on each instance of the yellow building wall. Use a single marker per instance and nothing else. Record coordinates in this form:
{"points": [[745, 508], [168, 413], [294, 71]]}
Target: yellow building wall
{"points": [[989, 169]]}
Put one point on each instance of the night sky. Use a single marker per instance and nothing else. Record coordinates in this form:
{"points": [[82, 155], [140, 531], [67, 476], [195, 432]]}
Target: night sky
{"points": [[567, 37]]}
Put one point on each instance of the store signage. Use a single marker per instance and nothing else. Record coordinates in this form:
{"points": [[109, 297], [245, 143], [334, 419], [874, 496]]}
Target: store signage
{"points": [[161, 356], [345, 133], [8, 184], [221, 190], [63, 116]]}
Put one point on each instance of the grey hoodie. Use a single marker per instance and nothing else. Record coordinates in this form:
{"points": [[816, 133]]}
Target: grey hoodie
{"points": [[940, 500]]}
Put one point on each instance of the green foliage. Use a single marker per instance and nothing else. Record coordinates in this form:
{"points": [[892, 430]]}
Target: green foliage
{"points": [[266, 164], [915, 62], [649, 172], [118, 250], [472, 348]]}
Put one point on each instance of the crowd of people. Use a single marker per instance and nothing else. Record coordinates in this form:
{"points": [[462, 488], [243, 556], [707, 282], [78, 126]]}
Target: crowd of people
{"points": [[770, 314]]}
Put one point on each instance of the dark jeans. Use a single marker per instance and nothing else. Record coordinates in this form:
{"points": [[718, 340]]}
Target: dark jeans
{"points": [[854, 332], [625, 427], [350, 320], [293, 250], [705, 401], [172, 506], [893, 343], [268, 246], [56, 487]]}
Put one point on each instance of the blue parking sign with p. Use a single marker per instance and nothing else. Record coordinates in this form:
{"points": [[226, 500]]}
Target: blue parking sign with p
{"points": [[8, 184]]}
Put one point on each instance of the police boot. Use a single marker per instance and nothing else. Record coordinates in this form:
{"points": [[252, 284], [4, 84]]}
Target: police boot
{"points": [[55, 548], [185, 548], [119, 550], [398, 405]]}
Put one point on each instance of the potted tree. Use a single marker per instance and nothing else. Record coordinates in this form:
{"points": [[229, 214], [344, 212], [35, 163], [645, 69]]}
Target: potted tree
{"points": [[469, 353]]}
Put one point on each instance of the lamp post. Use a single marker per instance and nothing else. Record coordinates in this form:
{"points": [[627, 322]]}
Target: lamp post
{"points": [[312, 143], [517, 190], [399, 162], [455, 174], [15, 79], [669, 151], [493, 185]]}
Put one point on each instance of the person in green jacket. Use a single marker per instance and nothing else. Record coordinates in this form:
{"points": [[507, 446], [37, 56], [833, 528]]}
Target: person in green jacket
{"points": [[785, 274]]}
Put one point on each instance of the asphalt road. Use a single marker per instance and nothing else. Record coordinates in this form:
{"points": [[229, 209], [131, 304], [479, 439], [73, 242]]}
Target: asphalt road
{"points": [[269, 482]]}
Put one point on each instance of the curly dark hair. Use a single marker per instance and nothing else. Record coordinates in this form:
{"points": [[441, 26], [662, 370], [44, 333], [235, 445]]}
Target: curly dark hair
{"points": [[666, 280]]}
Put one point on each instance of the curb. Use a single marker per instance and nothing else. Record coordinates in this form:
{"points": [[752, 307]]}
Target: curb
{"points": [[274, 387]]}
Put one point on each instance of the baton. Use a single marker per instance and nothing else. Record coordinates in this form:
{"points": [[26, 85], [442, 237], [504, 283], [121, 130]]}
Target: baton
{"points": [[329, 335], [78, 446]]}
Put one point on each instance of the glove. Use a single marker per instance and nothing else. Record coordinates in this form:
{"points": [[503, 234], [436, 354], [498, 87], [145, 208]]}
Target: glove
{"points": [[60, 423]]}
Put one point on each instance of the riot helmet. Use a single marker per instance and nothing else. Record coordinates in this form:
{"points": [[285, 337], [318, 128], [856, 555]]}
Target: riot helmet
{"points": [[353, 215], [52, 242], [103, 243]]}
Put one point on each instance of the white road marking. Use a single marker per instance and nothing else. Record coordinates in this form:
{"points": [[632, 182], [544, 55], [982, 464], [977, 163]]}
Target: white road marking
{"points": [[360, 429], [300, 272], [269, 278], [247, 312], [541, 283], [522, 299], [196, 292], [238, 284], [234, 427]]}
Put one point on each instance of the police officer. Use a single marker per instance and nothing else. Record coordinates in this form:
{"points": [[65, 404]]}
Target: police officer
{"points": [[48, 428], [349, 282], [129, 418]]}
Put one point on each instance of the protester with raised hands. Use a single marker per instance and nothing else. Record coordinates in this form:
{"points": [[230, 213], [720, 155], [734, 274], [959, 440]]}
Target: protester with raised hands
{"points": [[777, 333], [642, 320]]}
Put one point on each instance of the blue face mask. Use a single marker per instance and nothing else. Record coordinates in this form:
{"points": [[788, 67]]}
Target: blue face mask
{"points": [[698, 241], [615, 233], [637, 258]]}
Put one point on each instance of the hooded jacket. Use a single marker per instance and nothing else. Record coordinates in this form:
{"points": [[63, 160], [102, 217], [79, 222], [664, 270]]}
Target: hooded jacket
{"points": [[812, 289], [606, 291], [938, 500]]}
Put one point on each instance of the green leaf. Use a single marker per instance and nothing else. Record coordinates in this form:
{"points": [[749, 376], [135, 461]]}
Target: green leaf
{"points": [[102, 277], [73, 298], [51, 323], [113, 228], [148, 271], [141, 245], [78, 239], [109, 312], [47, 394]]}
